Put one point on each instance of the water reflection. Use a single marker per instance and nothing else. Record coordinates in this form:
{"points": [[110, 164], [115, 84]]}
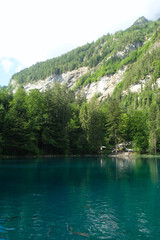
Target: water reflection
{"points": [[138, 166], [97, 197]]}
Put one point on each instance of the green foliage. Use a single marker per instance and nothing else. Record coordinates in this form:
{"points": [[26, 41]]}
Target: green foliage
{"points": [[154, 127], [116, 123], [92, 121], [15, 129], [55, 122], [37, 123], [139, 131]]}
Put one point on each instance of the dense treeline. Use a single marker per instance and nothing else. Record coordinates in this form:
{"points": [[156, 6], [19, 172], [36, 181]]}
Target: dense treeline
{"points": [[100, 56], [57, 122]]}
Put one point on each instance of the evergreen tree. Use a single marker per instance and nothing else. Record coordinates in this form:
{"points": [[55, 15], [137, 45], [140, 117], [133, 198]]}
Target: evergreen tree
{"points": [[15, 130], [116, 123], [93, 122], [139, 130], [154, 127]]}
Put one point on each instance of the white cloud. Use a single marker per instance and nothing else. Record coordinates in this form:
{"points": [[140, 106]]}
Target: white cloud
{"points": [[6, 64], [34, 30]]}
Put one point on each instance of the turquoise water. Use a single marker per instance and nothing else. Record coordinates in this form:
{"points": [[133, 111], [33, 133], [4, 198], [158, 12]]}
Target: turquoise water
{"points": [[79, 198]]}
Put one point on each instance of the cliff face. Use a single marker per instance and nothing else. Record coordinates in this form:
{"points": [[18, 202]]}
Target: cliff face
{"points": [[68, 78], [104, 87], [101, 88]]}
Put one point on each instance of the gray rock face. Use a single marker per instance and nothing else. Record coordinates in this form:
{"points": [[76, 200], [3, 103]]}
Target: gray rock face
{"points": [[104, 87], [68, 78]]}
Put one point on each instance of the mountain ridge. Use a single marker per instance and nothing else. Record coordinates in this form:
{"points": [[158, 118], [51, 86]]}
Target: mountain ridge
{"points": [[100, 59], [140, 21]]}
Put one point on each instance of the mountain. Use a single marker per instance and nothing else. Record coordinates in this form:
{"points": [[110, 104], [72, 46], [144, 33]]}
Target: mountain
{"points": [[140, 21], [122, 69], [122, 64]]}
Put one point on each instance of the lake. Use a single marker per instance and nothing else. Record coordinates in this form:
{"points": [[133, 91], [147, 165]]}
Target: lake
{"points": [[79, 198]]}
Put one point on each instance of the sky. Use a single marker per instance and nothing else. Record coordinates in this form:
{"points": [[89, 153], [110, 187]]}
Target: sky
{"points": [[36, 30]]}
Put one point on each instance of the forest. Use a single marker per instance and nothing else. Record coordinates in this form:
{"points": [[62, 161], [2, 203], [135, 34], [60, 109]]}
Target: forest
{"points": [[58, 122]]}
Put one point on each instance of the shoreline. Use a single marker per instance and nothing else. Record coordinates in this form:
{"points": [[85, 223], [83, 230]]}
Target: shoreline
{"points": [[122, 155]]}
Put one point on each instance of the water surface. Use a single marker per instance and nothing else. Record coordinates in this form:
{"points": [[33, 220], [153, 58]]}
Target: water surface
{"points": [[79, 198]]}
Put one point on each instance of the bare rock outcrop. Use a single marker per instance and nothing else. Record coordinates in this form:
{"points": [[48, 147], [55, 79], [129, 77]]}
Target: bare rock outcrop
{"points": [[105, 86], [68, 78]]}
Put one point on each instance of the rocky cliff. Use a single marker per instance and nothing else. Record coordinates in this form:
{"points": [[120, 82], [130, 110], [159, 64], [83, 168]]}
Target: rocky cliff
{"points": [[68, 78], [102, 88]]}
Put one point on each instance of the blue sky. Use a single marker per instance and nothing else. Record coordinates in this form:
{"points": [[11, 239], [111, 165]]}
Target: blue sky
{"points": [[35, 30]]}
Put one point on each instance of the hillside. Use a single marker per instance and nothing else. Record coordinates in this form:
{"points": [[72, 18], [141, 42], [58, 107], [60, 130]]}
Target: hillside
{"points": [[122, 69], [97, 67]]}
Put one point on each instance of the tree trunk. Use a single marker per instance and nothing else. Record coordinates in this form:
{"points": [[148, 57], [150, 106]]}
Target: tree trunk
{"points": [[155, 144], [115, 141]]}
